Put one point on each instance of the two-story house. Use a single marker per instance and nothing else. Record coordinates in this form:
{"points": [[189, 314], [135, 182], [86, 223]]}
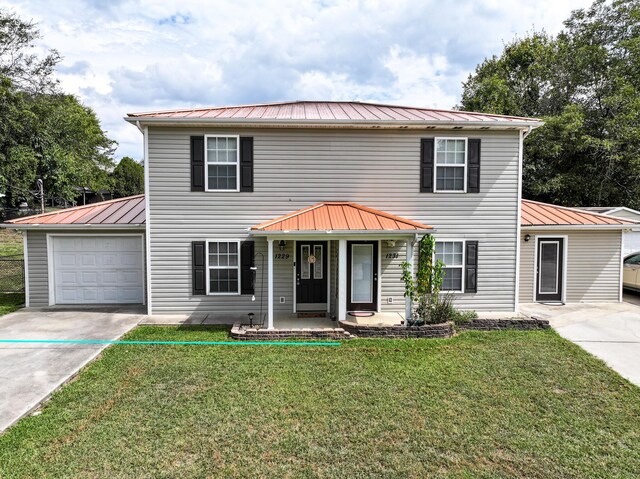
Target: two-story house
{"points": [[303, 209]]}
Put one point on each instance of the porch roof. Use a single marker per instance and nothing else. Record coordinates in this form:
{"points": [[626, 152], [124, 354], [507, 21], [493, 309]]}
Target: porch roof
{"points": [[340, 216]]}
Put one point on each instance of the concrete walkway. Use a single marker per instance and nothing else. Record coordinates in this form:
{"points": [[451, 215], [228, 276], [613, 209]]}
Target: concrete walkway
{"points": [[609, 331], [29, 373]]}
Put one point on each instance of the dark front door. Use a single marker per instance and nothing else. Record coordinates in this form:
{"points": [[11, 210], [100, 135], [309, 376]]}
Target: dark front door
{"points": [[311, 275], [549, 275], [362, 275]]}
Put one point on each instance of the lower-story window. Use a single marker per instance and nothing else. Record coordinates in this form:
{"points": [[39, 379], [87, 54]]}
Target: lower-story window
{"points": [[223, 265], [451, 253]]}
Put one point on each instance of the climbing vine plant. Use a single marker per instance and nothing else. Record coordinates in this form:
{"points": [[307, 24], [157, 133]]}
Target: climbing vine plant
{"points": [[423, 288]]}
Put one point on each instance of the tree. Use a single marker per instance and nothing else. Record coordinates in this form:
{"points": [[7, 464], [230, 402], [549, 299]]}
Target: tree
{"points": [[128, 178], [26, 70], [44, 133], [585, 84]]}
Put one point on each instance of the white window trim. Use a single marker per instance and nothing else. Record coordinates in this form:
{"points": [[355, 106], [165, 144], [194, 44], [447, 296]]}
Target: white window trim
{"points": [[206, 163], [435, 163], [463, 266], [209, 268]]}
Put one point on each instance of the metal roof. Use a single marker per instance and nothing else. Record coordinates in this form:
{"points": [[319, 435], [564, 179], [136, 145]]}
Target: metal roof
{"points": [[340, 216], [128, 211], [325, 216], [332, 111], [534, 213]]}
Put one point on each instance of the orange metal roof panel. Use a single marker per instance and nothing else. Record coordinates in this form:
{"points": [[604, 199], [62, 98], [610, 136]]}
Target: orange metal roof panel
{"points": [[340, 216], [121, 211], [330, 110], [534, 213]]}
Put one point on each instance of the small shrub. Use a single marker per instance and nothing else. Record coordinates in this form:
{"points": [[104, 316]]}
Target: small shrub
{"points": [[442, 309], [461, 317]]}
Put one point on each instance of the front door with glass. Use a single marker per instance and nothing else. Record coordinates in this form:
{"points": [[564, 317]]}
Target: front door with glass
{"points": [[362, 275]]}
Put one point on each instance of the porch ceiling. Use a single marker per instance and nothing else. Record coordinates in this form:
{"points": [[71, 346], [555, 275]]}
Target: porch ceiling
{"points": [[340, 217]]}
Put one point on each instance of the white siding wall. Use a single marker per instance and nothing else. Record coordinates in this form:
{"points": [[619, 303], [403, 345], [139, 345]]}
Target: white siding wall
{"points": [[592, 265], [391, 271], [297, 168]]}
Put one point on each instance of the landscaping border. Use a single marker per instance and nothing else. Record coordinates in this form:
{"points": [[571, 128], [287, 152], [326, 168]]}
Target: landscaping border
{"points": [[254, 334], [444, 330], [524, 324]]}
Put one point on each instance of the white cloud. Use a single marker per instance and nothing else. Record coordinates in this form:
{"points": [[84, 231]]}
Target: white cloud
{"points": [[135, 55]]}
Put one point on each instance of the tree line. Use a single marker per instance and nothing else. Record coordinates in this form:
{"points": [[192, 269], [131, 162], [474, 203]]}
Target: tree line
{"points": [[585, 84], [48, 134]]}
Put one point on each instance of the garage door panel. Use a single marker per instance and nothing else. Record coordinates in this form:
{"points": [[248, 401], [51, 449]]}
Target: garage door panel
{"points": [[97, 270]]}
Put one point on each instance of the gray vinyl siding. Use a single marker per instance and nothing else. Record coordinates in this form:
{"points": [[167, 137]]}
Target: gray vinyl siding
{"points": [[392, 285], [38, 261], [294, 169], [333, 283], [592, 265], [38, 269]]}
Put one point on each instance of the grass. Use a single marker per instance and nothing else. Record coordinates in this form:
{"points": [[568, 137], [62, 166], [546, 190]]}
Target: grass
{"points": [[11, 243], [10, 302], [501, 404]]}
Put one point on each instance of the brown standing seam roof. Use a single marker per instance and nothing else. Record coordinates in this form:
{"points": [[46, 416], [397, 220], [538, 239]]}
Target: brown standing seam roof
{"points": [[122, 211], [327, 110], [340, 216], [534, 213]]}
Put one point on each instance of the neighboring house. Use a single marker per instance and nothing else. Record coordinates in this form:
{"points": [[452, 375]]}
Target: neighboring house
{"points": [[631, 241], [310, 207]]}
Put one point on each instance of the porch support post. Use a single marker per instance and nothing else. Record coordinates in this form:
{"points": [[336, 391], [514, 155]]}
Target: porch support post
{"points": [[342, 279], [270, 283], [407, 299]]}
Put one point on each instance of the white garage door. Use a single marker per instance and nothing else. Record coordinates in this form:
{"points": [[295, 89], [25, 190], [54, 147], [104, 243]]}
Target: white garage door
{"points": [[97, 269]]}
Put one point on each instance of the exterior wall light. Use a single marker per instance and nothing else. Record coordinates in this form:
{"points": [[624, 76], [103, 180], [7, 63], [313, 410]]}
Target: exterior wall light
{"points": [[282, 244], [527, 237]]}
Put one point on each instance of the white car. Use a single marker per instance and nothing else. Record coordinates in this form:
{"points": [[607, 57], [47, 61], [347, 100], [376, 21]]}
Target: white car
{"points": [[631, 272]]}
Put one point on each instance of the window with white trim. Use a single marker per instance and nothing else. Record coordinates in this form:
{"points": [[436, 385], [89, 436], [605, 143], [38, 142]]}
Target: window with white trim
{"points": [[223, 160], [450, 164], [451, 254], [223, 266]]}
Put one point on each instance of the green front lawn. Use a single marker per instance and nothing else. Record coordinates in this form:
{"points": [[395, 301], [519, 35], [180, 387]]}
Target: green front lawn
{"points": [[503, 404], [10, 302]]}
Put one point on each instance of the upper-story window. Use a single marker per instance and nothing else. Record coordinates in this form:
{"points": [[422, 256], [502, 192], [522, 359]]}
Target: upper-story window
{"points": [[222, 162], [451, 164]]}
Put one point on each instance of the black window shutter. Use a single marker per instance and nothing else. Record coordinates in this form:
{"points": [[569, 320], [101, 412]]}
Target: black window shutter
{"points": [[197, 163], [247, 285], [473, 165], [426, 165], [198, 253], [246, 163], [471, 267]]}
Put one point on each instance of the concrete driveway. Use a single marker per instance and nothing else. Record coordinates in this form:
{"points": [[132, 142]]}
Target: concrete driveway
{"points": [[609, 331], [29, 373]]}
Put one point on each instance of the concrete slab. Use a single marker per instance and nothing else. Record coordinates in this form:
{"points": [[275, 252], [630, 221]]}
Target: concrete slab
{"points": [[30, 372], [609, 331]]}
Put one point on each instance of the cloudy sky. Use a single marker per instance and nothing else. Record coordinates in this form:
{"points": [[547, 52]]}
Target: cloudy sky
{"points": [[124, 56]]}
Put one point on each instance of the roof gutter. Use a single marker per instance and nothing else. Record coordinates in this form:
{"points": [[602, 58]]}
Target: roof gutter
{"points": [[53, 226], [580, 227], [309, 233], [382, 124]]}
